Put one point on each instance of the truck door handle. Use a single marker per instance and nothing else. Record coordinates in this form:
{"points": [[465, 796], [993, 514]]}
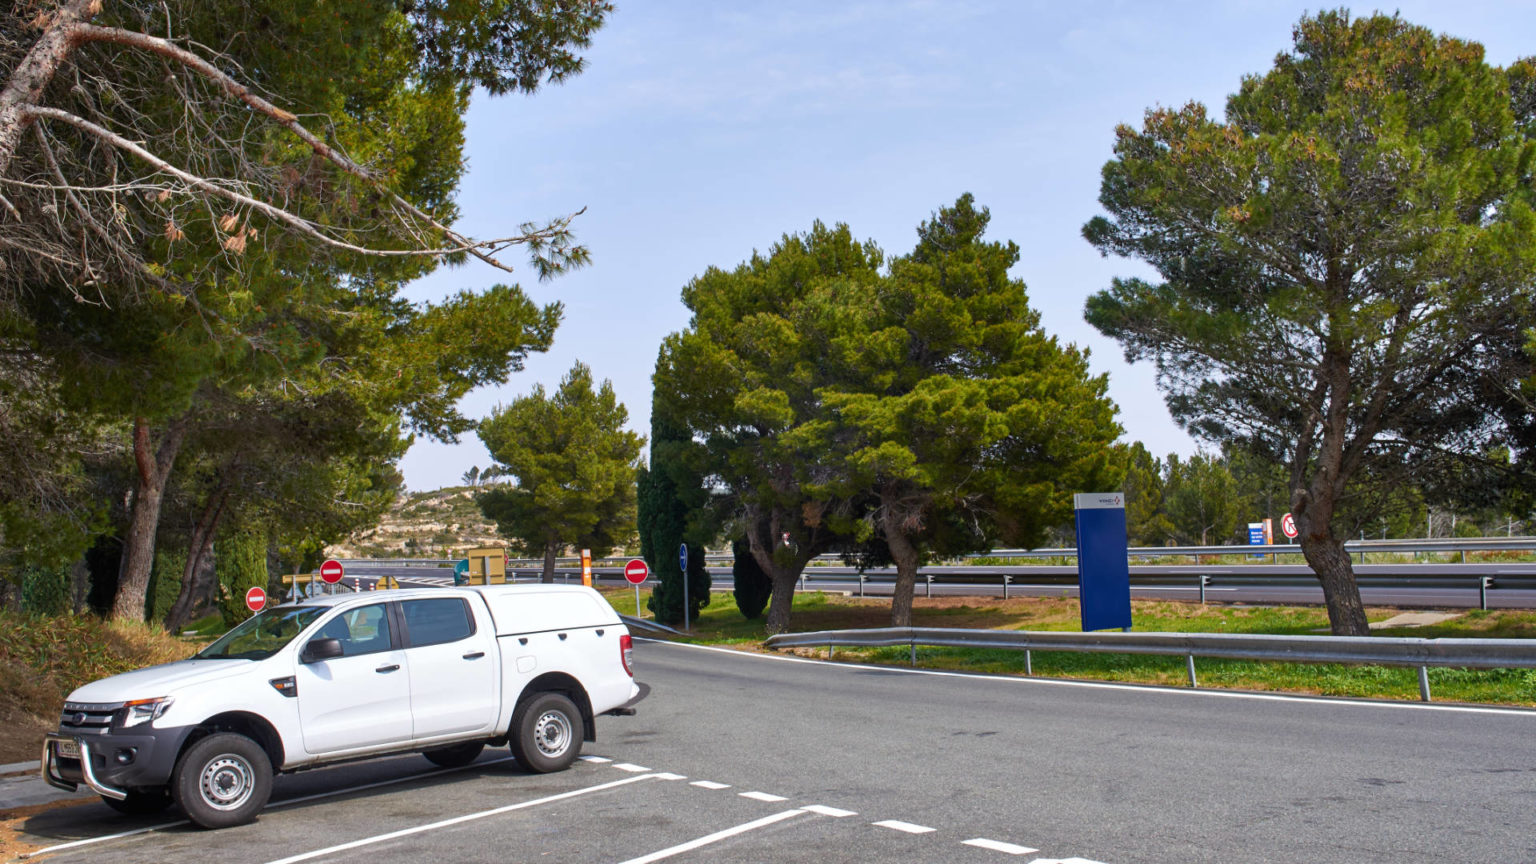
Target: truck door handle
{"points": [[475, 656], [385, 669]]}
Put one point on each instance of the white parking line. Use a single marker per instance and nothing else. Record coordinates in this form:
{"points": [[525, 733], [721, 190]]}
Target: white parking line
{"points": [[273, 806], [710, 785], [828, 811], [625, 766], [762, 796], [996, 846], [898, 825], [457, 820], [715, 837], [597, 760]]}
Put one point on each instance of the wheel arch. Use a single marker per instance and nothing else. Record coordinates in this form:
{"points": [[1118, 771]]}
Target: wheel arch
{"points": [[253, 726], [561, 682]]}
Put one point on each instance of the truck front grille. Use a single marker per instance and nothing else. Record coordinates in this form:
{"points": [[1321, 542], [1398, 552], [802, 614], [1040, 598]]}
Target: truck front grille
{"points": [[86, 718]]}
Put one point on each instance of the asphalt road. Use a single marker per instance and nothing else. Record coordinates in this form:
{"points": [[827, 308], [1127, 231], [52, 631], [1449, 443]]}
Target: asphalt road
{"points": [[738, 758]]}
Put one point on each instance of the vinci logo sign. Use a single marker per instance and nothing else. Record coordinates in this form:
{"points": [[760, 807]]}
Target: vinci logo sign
{"points": [[1098, 501], [1103, 571]]}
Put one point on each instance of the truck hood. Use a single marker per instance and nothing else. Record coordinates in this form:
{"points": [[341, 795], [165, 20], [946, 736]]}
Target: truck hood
{"points": [[162, 680]]}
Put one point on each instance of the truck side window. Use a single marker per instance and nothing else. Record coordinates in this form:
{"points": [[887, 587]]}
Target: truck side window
{"points": [[433, 622], [361, 631]]}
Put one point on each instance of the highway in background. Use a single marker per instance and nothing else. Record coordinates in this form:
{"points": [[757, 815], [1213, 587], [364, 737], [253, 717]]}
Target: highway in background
{"points": [[738, 758], [1446, 585]]}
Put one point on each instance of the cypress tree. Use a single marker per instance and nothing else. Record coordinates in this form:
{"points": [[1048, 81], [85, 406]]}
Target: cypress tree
{"points": [[668, 492], [753, 587]]}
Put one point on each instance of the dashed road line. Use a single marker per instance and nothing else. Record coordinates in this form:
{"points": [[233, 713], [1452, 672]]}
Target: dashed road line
{"points": [[458, 820], [625, 766], [824, 810], [710, 785], [715, 837], [762, 796], [596, 760], [998, 846], [898, 825]]}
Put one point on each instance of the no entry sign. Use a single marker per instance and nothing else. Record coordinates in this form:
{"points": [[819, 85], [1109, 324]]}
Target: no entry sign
{"points": [[255, 599], [636, 571], [332, 571]]}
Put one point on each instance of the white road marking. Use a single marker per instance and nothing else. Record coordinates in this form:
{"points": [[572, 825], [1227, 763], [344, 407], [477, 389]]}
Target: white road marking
{"points": [[824, 810], [710, 785], [273, 806], [996, 846], [469, 817], [1064, 861], [668, 776], [762, 796], [1099, 685], [715, 837], [625, 766], [898, 825], [594, 759]]}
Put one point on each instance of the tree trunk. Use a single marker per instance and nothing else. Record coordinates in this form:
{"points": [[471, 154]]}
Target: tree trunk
{"points": [[782, 600], [548, 576], [201, 541], [906, 556], [1326, 555], [30, 77], [154, 469]]}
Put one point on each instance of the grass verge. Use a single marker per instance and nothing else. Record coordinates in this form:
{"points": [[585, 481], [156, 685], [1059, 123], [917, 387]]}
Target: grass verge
{"points": [[721, 624]]}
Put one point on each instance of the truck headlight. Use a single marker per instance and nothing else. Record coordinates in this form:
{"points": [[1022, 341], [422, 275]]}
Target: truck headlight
{"points": [[136, 711]]}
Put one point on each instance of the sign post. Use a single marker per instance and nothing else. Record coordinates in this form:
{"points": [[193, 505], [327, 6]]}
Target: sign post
{"points": [[1103, 565], [255, 599], [682, 563], [332, 571], [586, 568], [634, 573]]}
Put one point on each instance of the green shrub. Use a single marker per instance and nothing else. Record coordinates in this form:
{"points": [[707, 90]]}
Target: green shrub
{"points": [[240, 560], [753, 587], [45, 590], [164, 584]]}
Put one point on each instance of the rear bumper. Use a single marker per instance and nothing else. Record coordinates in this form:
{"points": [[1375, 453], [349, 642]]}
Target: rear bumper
{"points": [[112, 765]]}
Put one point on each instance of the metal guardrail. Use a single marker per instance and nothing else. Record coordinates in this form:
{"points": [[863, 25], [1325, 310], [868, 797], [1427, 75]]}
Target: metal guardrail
{"points": [[1382, 651], [643, 624]]}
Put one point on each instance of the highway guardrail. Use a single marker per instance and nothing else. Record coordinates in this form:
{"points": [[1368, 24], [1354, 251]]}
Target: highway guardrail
{"points": [[1365, 650]]}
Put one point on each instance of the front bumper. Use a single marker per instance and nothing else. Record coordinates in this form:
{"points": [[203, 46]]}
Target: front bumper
{"points": [[151, 757]]}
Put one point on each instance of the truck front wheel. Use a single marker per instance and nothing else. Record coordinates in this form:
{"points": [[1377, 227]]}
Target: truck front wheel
{"points": [[223, 780], [546, 733]]}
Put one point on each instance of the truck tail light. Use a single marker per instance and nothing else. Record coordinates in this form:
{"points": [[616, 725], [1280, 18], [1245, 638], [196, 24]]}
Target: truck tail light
{"points": [[626, 653]]}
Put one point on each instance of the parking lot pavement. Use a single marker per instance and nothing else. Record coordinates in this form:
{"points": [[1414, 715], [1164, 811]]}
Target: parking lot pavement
{"points": [[601, 810]]}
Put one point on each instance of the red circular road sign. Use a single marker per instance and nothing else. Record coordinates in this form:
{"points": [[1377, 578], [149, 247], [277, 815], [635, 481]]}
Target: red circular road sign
{"points": [[1288, 525], [255, 599], [332, 571], [636, 571]]}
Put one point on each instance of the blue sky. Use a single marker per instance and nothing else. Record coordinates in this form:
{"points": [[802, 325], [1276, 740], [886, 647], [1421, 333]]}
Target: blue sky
{"points": [[704, 130]]}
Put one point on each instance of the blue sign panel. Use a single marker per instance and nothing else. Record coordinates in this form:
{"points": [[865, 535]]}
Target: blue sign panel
{"points": [[1103, 569], [1256, 536], [682, 557]]}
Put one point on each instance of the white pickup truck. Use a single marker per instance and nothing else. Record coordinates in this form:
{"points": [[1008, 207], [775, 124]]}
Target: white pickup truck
{"points": [[443, 672]]}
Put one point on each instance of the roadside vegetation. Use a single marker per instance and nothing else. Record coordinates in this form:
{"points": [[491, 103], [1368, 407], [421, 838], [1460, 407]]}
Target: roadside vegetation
{"points": [[720, 624], [43, 658]]}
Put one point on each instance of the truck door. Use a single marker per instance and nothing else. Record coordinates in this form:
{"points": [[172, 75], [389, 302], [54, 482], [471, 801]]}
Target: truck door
{"points": [[362, 698], [452, 668]]}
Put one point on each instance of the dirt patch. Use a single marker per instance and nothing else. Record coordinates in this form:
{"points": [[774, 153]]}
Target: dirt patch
{"points": [[12, 823]]}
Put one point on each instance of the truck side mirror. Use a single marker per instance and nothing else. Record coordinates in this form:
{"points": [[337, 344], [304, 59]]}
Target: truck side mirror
{"points": [[316, 650]]}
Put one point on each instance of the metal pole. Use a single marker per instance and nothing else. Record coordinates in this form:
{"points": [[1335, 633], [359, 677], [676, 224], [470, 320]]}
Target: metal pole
{"points": [[1005, 586], [638, 613], [1204, 580], [1189, 662], [1482, 592], [1424, 683], [929, 579], [1029, 663], [914, 653], [861, 584]]}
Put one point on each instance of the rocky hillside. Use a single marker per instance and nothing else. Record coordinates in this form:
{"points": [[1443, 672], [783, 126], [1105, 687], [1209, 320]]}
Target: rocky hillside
{"points": [[437, 524]]}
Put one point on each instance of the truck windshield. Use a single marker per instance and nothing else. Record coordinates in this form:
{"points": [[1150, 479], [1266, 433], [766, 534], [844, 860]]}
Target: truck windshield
{"points": [[262, 636]]}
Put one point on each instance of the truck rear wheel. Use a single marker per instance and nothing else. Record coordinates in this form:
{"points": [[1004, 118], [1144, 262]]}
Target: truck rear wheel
{"points": [[456, 756], [223, 780], [141, 802], [546, 733]]}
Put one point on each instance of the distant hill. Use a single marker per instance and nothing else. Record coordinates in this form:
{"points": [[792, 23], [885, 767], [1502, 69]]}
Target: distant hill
{"points": [[437, 524]]}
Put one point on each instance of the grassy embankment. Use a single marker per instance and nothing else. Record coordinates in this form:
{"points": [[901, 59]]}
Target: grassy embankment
{"points": [[43, 659], [721, 623]]}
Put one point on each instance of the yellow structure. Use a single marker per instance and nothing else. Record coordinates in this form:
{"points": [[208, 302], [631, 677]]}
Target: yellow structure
{"points": [[487, 566], [385, 583]]}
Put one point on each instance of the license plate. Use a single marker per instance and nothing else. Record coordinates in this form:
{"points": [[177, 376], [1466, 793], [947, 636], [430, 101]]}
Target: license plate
{"points": [[68, 749]]}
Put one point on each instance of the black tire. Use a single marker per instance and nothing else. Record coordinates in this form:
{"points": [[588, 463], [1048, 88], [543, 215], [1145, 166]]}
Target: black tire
{"points": [[223, 780], [456, 756], [141, 802], [546, 733]]}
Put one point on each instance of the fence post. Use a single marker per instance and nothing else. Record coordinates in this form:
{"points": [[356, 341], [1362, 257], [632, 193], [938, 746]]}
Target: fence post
{"points": [[1189, 662], [1204, 581], [929, 578], [914, 653], [861, 584], [1029, 663], [1005, 586], [1483, 584], [1424, 683]]}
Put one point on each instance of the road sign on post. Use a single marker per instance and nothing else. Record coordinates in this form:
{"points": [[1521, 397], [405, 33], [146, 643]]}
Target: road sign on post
{"points": [[332, 571], [1288, 526], [586, 567], [634, 573], [1103, 567], [255, 599], [1255, 536], [682, 561]]}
